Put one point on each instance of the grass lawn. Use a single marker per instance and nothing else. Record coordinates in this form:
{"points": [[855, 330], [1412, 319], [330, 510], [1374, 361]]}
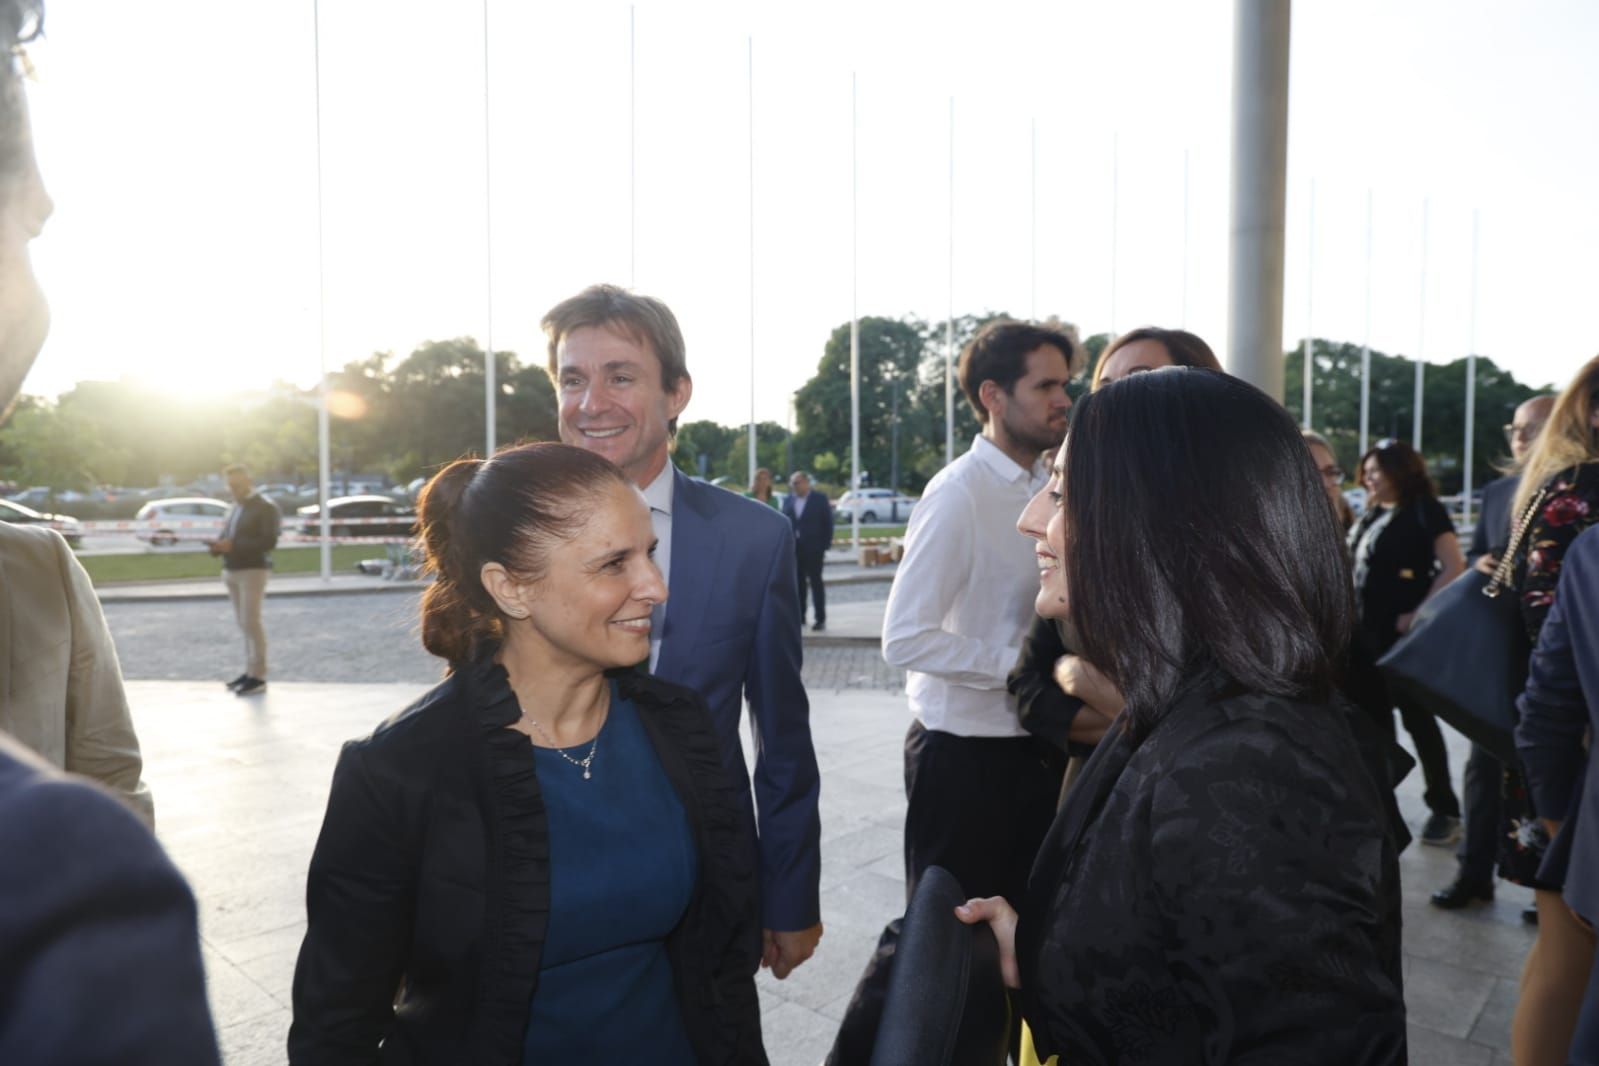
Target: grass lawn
{"points": [[173, 566]]}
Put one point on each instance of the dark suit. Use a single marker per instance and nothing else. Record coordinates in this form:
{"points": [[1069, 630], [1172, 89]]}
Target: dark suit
{"points": [[732, 633], [1479, 846], [1223, 891], [99, 952], [253, 526], [813, 535], [1560, 704]]}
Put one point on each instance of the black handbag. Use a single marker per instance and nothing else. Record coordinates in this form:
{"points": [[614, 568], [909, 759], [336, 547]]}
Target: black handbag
{"points": [[1465, 656]]}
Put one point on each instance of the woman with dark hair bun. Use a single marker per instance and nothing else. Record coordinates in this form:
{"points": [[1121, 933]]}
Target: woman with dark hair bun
{"points": [[542, 860], [1405, 549], [1218, 885]]}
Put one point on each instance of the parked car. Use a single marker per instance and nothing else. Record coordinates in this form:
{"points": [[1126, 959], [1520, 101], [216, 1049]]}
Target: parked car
{"points": [[43, 494], [383, 517], [181, 518], [66, 525], [876, 505]]}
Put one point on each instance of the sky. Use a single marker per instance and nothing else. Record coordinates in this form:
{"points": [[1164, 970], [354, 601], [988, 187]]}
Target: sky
{"points": [[470, 180]]}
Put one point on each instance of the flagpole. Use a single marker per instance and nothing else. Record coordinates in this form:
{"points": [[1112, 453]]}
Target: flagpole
{"points": [[490, 387], [1365, 345], [1471, 379], [323, 434], [1421, 331], [854, 311], [949, 323], [1309, 367], [632, 146], [750, 82]]}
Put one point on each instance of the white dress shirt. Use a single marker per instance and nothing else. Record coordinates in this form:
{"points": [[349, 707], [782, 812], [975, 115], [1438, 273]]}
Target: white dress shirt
{"points": [[799, 505], [964, 592], [658, 494]]}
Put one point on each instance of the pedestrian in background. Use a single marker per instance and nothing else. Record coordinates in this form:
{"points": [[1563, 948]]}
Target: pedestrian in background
{"points": [[248, 537], [811, 513], [1405, 549], [1479, 847], [761, 488]]}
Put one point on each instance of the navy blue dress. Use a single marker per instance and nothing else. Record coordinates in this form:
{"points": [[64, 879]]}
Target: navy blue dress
{"points": [[623, 867]]}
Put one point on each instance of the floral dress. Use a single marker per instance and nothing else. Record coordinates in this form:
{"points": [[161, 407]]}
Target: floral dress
{"points": [[1570, 505]]}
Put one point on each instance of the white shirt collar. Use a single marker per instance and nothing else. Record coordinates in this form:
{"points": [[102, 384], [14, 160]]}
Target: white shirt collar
{"points": [[658, 493], [990, 455]]}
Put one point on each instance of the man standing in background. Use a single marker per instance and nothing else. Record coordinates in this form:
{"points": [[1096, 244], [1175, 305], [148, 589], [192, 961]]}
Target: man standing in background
{"points": [[1479, 845], [812, 516], [250, 534]]}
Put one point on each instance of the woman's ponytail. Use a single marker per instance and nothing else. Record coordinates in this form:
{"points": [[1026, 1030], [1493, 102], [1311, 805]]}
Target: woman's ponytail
{"points": [[457, 611]]}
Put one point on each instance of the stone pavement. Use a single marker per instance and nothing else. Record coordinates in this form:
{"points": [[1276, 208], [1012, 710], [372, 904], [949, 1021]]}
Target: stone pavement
{"points": [[240, 787]]}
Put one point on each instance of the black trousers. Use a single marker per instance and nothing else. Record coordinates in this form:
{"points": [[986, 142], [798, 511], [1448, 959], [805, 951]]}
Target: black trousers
{"points": [[810, 570], [1479, 848], [1424, 733], [979, 807]]}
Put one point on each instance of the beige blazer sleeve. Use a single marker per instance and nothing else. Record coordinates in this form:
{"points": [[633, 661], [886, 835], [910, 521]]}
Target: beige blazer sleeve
{"points": [[61, 690]]}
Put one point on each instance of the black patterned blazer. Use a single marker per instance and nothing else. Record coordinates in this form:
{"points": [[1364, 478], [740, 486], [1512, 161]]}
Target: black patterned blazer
{"points": [[1222, 892]]}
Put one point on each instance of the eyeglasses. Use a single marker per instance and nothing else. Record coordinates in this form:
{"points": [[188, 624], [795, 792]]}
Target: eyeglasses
{"points": [[1333, 473], [1515, 432]]}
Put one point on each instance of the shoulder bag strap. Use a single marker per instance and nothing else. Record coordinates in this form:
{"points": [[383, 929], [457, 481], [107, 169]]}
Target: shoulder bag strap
{"points": [[1507, 561]]}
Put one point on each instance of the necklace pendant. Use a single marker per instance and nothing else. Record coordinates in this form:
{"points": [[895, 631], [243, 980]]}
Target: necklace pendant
{"points": [[585, 773]]}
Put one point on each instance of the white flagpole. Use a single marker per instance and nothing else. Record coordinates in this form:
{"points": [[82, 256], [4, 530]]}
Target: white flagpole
{"points": [[1183, 320], [490, 387], [949, 324], [1421, 331], [1365, 345], [751, 93], [1309, 367], [1471, 379], [1115, 219], [632, 146], [1033, 228], [323, 435], [854, 311]]}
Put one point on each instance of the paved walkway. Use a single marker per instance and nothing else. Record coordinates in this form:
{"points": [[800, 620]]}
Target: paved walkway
{"points": [[240, 787]]}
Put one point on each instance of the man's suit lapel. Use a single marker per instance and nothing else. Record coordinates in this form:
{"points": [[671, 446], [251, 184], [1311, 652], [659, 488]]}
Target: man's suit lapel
{"points": [[696, 546]]}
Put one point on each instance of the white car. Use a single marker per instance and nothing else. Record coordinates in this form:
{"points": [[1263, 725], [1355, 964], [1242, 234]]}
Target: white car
{"points": [[876, 505], [192, 518]]}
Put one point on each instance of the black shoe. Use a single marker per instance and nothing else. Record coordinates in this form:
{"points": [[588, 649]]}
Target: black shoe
{"points": [[818, 627], [1441, 831], [250, 686], [236, 682], [1529, 914], [1460, 893]]}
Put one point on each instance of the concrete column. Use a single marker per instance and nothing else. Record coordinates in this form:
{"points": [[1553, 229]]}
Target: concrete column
{"points": [[1259, 193]]}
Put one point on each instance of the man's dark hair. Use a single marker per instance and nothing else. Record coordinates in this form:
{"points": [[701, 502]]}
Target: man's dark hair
{"points": [[1199, 543], [21, 21], [645, 319], [999, 354], [1404, 468]]}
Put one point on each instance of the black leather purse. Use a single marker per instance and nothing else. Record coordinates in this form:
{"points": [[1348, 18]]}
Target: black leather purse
{"points": [[1465, 656]]}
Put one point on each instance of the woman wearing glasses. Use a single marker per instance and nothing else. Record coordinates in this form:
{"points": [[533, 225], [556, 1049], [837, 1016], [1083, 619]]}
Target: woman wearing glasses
{"points": [[1405, 549]]}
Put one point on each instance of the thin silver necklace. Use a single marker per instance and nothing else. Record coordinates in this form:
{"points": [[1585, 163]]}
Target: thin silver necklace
{"points": [[584, 763]]}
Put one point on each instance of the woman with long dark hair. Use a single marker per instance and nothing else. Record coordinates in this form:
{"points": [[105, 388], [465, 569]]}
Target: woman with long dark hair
{"points": [[1218, 885], [542, 860], [1405, 549]]}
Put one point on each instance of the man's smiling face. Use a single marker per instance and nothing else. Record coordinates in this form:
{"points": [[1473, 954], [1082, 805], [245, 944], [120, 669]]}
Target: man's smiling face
{"points": [[613, 402]]}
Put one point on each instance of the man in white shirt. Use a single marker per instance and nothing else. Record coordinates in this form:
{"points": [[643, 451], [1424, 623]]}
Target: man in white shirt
{"points": [[981, 790]]}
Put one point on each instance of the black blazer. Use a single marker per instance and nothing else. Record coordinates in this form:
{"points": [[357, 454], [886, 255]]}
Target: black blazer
{"points": [[1223, 892], [1042, 706], [255, 534], [1492, 531], [813, 530], [430, 886]]}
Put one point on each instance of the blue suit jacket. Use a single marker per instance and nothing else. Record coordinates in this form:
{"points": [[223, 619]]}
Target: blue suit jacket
{"points": [[1492, 532], [732, 633], [99, 952], [1561, 702], [813, 530]]}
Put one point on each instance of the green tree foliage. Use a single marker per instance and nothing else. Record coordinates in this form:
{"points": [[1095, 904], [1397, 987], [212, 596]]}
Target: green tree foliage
{"points": [[1335, 407], [401, 418]]}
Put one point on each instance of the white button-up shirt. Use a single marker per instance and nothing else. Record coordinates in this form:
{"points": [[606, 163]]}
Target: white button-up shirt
{"points": [[964, 592], [658, 494]]}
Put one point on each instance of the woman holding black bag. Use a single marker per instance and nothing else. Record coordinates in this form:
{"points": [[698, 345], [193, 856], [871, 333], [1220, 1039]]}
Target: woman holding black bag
{"points": [[1405, 549]]}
